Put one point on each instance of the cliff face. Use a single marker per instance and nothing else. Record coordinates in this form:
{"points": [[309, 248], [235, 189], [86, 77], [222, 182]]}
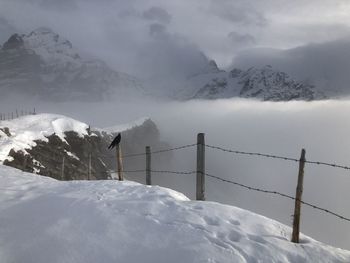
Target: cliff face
{"points": [[69, 158], [43, 64]]}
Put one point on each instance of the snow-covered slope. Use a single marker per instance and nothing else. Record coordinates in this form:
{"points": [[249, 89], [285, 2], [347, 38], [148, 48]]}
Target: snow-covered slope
{"points": [[43, 220], [261, 83], [44, 64]]}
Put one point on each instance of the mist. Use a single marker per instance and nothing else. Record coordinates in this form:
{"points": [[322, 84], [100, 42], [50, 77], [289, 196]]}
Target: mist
{"points": [[282, 128]]}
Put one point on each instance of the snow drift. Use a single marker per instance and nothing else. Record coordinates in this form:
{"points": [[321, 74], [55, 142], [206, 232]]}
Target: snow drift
{"points": [[44, 220]]}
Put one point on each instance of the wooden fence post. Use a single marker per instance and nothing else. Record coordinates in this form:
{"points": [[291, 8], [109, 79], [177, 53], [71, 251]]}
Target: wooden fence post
{"points": [[119, 162], [62, 169], [89, 167], [148, 166], [200, 184], [298, 196], [89, 149]]}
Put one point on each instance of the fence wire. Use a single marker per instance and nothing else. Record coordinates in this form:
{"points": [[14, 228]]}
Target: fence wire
{"points": [[159, 171], [280, 194], [334, 165], [277, 157], [239, 184], [160, 151], [246, 187]]}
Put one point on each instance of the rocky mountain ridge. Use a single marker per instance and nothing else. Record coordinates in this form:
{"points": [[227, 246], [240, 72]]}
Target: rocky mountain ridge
{"points": [[45, 65], [260, 83]]}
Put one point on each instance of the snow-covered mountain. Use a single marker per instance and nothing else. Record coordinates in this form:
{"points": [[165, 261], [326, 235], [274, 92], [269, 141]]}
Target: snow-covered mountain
{"points": [[45, 65], [44, 220], [261, 83]]}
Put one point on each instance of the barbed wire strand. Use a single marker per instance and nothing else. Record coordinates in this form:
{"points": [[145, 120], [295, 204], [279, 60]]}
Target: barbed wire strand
{"points": [[280, 194], [158, 171], [277, 157], [161, 151], [249, 188]]}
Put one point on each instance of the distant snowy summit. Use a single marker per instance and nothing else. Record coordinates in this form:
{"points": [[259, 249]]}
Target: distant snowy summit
{"points": [[261, 83], [44, 64]]}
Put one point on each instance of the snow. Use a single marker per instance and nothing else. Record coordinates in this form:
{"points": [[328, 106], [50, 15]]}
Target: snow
{"points": [[262, 83], [27, 129], [51, 47], [60, 73], [44, 220]]}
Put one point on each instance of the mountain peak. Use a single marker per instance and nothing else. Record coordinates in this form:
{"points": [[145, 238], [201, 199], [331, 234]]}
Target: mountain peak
{"points": [[15, 41], [44, 40], [45, 63], [42, 30], [263, 83]]}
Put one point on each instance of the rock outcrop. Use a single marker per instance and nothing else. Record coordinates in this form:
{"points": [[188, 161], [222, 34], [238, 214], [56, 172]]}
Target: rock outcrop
{"points": [[69, 158]]}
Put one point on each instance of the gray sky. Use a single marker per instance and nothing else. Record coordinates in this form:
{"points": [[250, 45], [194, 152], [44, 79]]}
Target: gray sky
{"points": [[126, 33]]}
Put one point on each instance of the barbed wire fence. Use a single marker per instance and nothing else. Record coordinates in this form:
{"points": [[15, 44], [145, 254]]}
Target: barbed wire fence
{"points": [[201, 174], [16, 114]]}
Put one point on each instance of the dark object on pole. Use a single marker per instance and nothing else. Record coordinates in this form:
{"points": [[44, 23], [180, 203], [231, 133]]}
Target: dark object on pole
{"points": [[115, 142], [299, 192]]}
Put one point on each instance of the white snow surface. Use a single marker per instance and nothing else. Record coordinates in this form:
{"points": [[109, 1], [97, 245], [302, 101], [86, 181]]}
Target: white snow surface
{"points": [[44, 220], [27, 129]]}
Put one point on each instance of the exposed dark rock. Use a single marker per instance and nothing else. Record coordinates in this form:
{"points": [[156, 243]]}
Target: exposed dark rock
{"points": [[46, 157], [14, 42], [6, 130]]}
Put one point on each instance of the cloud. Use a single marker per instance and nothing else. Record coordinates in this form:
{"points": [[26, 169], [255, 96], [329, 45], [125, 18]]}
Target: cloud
{"points": [[115, 30], [324, 64], [6, 30], [239, 39], [158, 31], [157, 14], [239, 12]]}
